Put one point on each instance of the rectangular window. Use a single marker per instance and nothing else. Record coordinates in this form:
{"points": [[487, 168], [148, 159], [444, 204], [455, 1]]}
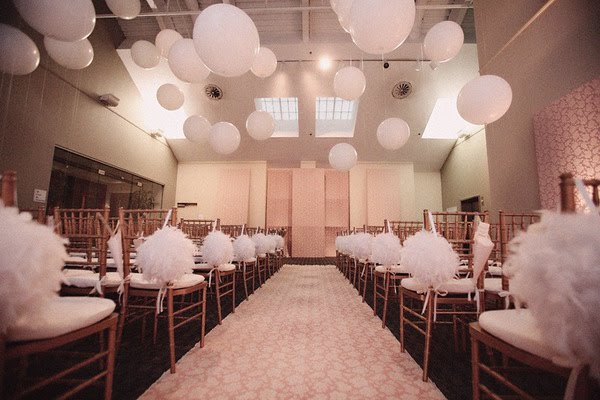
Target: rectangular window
{"points": [[284, 111]]}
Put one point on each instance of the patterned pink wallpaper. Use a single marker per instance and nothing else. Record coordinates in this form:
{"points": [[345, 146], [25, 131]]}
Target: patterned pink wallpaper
{"points": [[567, 139]]}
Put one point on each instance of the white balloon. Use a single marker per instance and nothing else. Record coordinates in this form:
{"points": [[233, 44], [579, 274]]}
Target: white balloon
{"points": [[443, 41], [72, 55], [125, 9], [196, 129], [165, 39], [342, 156], [265, 63], [145, 54], [226, 40], [393, 133], [349, 83], [68, 21], [342, 9], [20, 55], [224, 138], [380, 26], [185, 63], [169, 96], [484, 99], [260, 125]]}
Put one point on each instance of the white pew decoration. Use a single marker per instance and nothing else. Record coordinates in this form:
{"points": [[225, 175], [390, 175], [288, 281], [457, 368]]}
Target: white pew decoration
{"points": [[386, 249], [554, 269], [217, 249], [361, 245], [31, 260], [244, 248], [262, 243]]}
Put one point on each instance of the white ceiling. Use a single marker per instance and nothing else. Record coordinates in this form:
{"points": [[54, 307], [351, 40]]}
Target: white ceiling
{"points": [[298, 38]]}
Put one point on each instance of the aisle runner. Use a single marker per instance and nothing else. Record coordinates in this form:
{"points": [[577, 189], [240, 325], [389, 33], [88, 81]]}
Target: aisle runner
{"points": [[304, 334]]}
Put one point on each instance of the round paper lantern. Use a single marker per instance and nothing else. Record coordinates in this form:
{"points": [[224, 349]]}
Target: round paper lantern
{"points": [[260, 125], [342, 9], [68, 21], [226, 40], [224, 137], [169, 96], [265, 63], [349, 83], [484, 99], [443, 41], [393, 133], [185, 63], [20, 55], [165, 39], [342, 156], [196, 129], [125, 9], [72, 55], [145, 54], [380, 26]]}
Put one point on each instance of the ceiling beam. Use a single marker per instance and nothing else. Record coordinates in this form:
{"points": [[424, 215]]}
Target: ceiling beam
{"points": [[305, 23], [458, 14], [164, 21]]}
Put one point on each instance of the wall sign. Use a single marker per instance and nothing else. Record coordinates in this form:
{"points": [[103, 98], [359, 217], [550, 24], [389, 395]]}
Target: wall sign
{"points": [[39, 195]]}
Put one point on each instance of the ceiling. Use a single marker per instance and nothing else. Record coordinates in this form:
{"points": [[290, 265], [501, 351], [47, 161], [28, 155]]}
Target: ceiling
{"points": [[300, 32]]}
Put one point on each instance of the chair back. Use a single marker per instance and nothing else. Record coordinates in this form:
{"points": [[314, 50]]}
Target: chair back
{"points": [[9, 188], [196, 229], [141, 223], [374, 229], [567, 192], [404, 229], [251, 230], [232, 230]]}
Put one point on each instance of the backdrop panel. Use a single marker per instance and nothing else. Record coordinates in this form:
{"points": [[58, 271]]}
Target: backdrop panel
{"points": [[233, 196], [308, 212], [383, 196], [337, 207]]}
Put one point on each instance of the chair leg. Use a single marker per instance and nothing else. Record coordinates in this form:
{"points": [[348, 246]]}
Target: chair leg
{"points": [[385, 299], [475, 368], [155, 328], [375, 295], [244, 279], [428, 328], [401, 319], [233, 293], [122, 313], [203, 309], [218, 290], [110, 367], [170, 318]]}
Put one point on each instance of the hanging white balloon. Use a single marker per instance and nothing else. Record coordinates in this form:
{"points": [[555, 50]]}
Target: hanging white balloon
{"points": [[224, 138], [265, 63], [260, 125], [342, 9], [145, 54], [484, 99], [349, 83], [20, 55], [393, 133], [165, 39], [71, 55], [226, 40], [68, 21], [380, 26], [169, 96], [443, 41], [343, 156], [125, 9], [196, 129], [185, 63]]}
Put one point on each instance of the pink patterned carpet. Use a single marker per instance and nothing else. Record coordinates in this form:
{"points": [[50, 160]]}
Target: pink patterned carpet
{"points": [[304, 335]]}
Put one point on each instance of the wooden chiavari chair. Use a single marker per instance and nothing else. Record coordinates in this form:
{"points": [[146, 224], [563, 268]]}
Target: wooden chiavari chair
{"points": [[68, 325], [140, 296], [279, 252], [404, 229], [514, 335], [196, 229], [38, 214], [455, 298]]}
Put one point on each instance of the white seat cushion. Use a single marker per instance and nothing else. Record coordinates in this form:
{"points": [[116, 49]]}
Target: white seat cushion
{"points": [[76, 260], [493, 284], [137, 281], [396, 269], [248, 261], [517, 327], [70, 272], [495, 270], [111, 279], [203, 267], [61, 315], [226, 267], [262, 255], [453, 286]]}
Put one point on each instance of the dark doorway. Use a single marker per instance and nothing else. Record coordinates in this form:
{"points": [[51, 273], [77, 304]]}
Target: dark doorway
{"points": [[472, 204]]}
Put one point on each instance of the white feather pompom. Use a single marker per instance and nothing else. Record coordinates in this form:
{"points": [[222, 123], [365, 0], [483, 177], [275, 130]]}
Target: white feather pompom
{"points": [[244, 248], [555, 270], [339, 243], [262, 242], [386, 249], [166, 255], [280, 243], [429, 258], [361, 245], [272, 242], [31, 260], [217, 249]]}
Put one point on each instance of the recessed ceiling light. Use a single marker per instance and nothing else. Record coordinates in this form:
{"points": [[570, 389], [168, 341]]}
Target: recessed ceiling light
{"points": [[324, 63]]}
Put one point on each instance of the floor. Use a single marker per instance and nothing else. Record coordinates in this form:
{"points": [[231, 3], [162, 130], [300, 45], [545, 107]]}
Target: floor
{"points": [[305, 334]]}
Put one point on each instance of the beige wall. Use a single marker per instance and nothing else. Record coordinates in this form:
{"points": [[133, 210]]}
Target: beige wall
{"points": [[54, 106], [198, 182], [465, 172], [553, 55], [428, 193]]}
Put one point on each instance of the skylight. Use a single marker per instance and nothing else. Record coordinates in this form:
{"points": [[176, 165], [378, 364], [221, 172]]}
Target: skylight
{"points": [[284, 111], [446, 123], [335, 117]]}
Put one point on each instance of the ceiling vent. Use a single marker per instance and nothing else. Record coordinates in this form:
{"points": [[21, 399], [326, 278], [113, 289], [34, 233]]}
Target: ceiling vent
{"points": [[213, 92], [402, 90]]}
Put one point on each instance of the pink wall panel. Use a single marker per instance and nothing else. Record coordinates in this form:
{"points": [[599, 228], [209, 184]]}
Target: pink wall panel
{"points": [[383, 196], [308, 212], [279, 197], [567, 139], [337, 203], [233, 196]]}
